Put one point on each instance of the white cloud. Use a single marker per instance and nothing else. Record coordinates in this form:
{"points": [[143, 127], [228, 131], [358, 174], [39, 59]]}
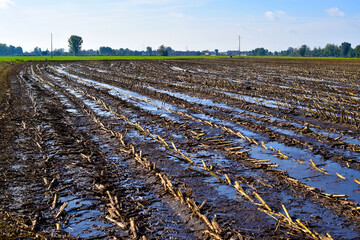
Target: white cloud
{"points": [[275, 15], [6, 3], [270, 15], [335, 12]]}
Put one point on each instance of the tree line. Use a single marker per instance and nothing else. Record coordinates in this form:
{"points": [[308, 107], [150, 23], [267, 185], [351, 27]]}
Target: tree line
{"points": [[330, 50], [10, 50], [75, 44]]}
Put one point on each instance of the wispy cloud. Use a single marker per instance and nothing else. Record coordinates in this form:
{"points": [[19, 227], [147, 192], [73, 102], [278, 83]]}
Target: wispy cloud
{"points": [[270, 15], [334, 12], [6, 3], [274, 15]]}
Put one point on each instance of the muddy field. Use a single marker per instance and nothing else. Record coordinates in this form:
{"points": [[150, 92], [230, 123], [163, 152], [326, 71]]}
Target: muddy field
{"points": [[181, 149]]}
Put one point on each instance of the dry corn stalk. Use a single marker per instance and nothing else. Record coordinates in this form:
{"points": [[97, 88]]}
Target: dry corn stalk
{"points": [[312, 164], [62, 208], [122, 225], [262, 201], [341, 176]]}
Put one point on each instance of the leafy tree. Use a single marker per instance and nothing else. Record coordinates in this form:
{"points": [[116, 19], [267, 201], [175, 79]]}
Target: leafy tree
{"points": [[75, 43], [303, 50], [10, 50], [345, 49], [357, 51], [18, 51], [216, 52], [45, 53], [351, 53], [120, 52], [106, 51], [260, 52], [3, 49], [169, 50], [162, 51], [37, 51], [127, 52], [290, 51], [331, 50], [59, 52], [317, 52], [149, 51]]}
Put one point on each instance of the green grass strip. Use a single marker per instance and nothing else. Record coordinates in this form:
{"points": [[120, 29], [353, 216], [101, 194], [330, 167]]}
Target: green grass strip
{"points": [[98, 58]]}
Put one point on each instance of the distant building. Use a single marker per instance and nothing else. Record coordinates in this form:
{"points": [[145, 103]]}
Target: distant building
{"points": [[236, 53], [186, 53]]}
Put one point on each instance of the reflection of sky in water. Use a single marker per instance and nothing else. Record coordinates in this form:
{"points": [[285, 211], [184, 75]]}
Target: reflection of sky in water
{"points": [[303, 172]]}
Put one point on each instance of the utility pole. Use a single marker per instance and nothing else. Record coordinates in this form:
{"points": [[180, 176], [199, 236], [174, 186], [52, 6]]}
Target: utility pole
{"points": [[51, 46], [239, 47]]}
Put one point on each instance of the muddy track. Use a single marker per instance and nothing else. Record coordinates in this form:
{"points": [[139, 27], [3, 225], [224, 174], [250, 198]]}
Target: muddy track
{"points": [[189, 149]]}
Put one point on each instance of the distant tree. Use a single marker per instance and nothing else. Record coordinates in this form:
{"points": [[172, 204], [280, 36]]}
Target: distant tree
{"points": [[37, 51], [290, 51], [351, 53], [303, 50], [11, 50], [107, 51], [149, 51], [75, 43], [3, 49], [345, 49], [19, 51], [127, 52], [89, 52], [170, 51], [216, 52], [45, 53], [162, 51], [120, 52], [357, 51], [59, 52], [317, 52], [138, 53], [331, 50], [260, 52]]}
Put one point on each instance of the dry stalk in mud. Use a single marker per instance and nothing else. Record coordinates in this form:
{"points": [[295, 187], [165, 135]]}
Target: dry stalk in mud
{"points": [[176, 150], [168, 186], [61, 209], [298, 226], [312, 164]]}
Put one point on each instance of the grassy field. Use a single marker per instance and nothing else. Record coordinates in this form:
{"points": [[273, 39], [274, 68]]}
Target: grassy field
{"points": [[93, 58], [89, 58]]}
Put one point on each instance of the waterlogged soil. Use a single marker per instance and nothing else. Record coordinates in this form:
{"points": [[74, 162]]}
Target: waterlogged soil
{"points": [[181, 149]]}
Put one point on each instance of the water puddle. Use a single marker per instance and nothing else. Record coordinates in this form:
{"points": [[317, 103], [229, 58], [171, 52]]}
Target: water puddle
{"points": [[294, 168]]}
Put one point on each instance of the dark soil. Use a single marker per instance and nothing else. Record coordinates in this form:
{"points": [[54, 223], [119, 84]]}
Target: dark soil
{"points": [[181, 149]]}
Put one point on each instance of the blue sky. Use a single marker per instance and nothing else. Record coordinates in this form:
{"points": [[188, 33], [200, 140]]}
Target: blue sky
{"points": [[181, 24]]}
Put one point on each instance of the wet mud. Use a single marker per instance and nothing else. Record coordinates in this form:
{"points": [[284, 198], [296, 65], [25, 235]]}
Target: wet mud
{"points": [[181, 149]]}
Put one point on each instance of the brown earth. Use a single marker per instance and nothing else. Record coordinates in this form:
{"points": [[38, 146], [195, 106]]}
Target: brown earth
{"points": [[180, 149]]}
